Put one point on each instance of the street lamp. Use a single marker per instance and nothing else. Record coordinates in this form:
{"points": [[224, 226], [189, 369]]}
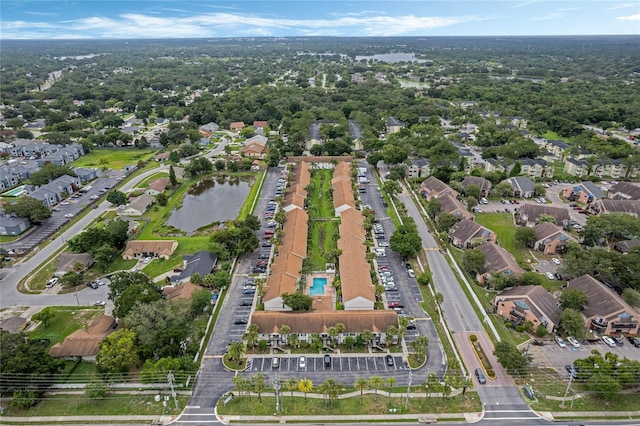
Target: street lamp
{"points": [[276, 386]]}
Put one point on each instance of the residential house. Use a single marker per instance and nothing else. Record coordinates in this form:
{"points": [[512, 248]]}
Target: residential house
{"points": [[84, 343], [551, 239], [24, 171], [259, 126], [482, 183], [393, 125], [535, 167], [13, 324], [343, 197], [455, 207], [356, 134], [435, 188], [498, 261], [48, 196], [256, 146], [181, 291], [626, 246], [13, 225], [157, 186], [139, 249], [201, 263], [236, 126], [615, 169], [493, 165], [304, 324], [523, 187], [624, 191], [606, 312], [528, 214], [418, 168], [558, 148], [466, 233], [67, 262], [585, 192], [86, 174], [8, 179], [208, 129], [137, 207], [606, 205], [576, 167], [529, 303]]}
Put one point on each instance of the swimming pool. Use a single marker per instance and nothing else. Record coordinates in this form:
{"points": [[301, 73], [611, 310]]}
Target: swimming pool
{"points": [[317, 289], [15, 192]]}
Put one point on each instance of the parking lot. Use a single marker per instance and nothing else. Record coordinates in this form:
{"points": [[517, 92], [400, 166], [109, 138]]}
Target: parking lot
{"points": [[339, 363]]}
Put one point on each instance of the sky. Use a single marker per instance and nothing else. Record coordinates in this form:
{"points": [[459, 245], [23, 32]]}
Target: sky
{"points": [[134, 19]]}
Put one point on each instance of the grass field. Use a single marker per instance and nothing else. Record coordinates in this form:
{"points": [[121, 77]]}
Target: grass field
{"points": [[321, 240], [502, 224], [113, 158], [67, 320], [322, 227]]}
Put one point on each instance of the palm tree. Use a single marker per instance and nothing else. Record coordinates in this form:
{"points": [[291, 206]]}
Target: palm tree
{"points": [[375, 382], [419, 346], [446, 387], [465, 382], [240, 383], [391, 332], [293, 340], [391, 382], [305, 385], [367, 335], [333, 389], [236, 350], [258, 385], [333, 333], [431, 384], [291, 385], [284, 332], [324, 390], [361, 385]]}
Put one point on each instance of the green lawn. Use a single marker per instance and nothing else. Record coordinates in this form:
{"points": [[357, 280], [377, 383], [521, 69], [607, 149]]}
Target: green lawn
{"points": [[67, 320], [551, 135], [502, 224], [114, 158], [321, 239], [323, 228], [371, 404]]}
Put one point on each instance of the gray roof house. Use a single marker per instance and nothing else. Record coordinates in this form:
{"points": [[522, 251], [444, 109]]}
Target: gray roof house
{"points": [[522, 186], [497, 261], [528, 214], [13, 225], [48, 196], [418, 168], [483, 184], [394, 125], [7, 178], [465, 231], [201, 262], [86, 174], [624, 191]]}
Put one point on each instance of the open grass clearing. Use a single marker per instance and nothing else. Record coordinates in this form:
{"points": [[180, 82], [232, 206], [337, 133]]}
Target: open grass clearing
{"points": [[114, 158], [502, 224], [66, 320], [371, 404]]}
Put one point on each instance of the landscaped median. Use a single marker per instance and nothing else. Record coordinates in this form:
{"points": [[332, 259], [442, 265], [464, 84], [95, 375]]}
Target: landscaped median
{"points": [[482, 357]]}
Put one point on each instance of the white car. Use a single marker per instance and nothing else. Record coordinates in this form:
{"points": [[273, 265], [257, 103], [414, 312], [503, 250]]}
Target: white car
{"points": [[573, 341], [609, 341], [53, 281], [69, 215], [99, 303], [147, 260], [411, 273], [560, 342], [302, 362], [383, 244], [549, 275], [555, 260]]}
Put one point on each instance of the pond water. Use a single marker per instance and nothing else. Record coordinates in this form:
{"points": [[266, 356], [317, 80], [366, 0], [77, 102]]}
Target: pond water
{"points": [[210, 200], [392, 58]]}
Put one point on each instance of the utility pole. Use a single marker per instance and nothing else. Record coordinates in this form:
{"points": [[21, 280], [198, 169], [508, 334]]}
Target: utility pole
{"points": [[173, 392], [406, 403], [566, 392], [276, 386]]}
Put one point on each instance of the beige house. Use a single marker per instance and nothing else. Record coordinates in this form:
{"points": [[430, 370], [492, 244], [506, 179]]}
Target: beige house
{"points": [[236, 126], [482, 183], [465, 231], [497, 261], [455, 207], [157, 186], [624, 191], [435, 188], [139, 249], [83, 343], [605, 205], [606, 312], [576, 167], [528, 303], [528, 214], [551, 239], [137, 207]]}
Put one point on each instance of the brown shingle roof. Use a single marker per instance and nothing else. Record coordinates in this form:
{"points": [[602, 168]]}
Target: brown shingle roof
{"points": [[542, 302], [66, 261], [532, 211], [620, 206], [181, 291], [484, 184], [85, 342], [161, 247], [466, 230], [601, 300], [546, 230], [624, 190], [498, 259], [434, 187], [317, 322], [159, 184], [454, 206]]}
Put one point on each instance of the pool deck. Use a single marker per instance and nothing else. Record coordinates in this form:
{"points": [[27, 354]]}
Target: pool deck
{"points": [[326, 302]]}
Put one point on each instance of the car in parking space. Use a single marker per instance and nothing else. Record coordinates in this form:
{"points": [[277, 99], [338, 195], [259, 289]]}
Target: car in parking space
{"points": [[275, 362], [617, 341], [560, 342], [609, 341], [573, 341], [249, 291], [246, 302], [480, 375], [266, 244], [53, 281], [69, 215], [570, 369], [383, 268], [634, 341], [383, 244], [93, 285], [302, 362], [558, 276], [555, 260], [411, 326], [240, 321], [259, 269], [380, 237], [393, 305], [549, 275], [263, 256], [411, 273], [391, 288], [327, 360], [389, 360]]}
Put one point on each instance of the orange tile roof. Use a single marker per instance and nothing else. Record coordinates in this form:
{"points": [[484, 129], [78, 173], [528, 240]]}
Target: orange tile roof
{"points": [[319, 321]]}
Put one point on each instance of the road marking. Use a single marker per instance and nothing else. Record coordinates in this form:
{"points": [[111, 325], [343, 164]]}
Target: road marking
{"points": [[508, 411], [191, 406], [212, 356], [431, 248]]}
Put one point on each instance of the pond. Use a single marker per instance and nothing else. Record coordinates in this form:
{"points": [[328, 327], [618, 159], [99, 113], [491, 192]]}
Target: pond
{"points": [[208, 201]]}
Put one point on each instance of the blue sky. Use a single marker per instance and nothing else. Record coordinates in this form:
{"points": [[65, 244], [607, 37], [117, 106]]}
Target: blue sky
{"points": [[106, 19]]}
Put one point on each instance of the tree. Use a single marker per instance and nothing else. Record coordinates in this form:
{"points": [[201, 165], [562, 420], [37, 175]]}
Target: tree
{"points": [[392, 187], [117, 198], [573, 299], [173, 180], [526, 236], [472, 190], [375, 383], [291, 384], [434, 206], [547, 218], [305, 385], [572, 323], [200, 299], [473, 260], [361, 384], [510, 357], [162, 199], [242, 384], [117, 352], [297, 301], [26, 206], [419, 345], [50, 172], [221, 279], [432, 384], [258, 384], [445, 221], [128, 288], [604, 385], [631, 296], [391, 382], [406, 241], [196, 278], [503, 189], [236, 350], [367, 336], [96, 388], [45, 315]]}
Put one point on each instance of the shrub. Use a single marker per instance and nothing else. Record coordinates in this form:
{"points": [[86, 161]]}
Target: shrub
{"points": [[24, 399]]}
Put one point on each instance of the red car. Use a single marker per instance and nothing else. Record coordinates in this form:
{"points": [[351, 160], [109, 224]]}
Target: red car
{"points": [[396, 305]]}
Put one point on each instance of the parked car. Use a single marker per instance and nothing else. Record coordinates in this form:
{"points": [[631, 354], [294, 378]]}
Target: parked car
{"points": [[411, 326], [327, 360], [395, 305], [389, 360], [240, 321], [555, 260], [573, 341], [570, 370], [411, 273], [53, 281], [617, 341], [99, 303], [480, 375], [560, 342], [549, 275], [302, 362], [634, 341], [246, 302], [275, 363], [249, 291], [609, 341]]}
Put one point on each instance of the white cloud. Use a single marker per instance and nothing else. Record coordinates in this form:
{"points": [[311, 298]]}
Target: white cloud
{"points": [[629, 18], [222, 24], [548, 16], [622, 6]]}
